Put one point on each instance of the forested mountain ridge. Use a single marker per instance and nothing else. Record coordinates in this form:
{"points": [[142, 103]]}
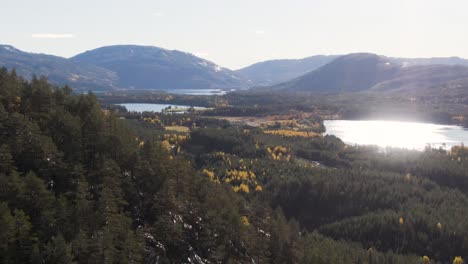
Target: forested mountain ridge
{"points": [[78, 185]]}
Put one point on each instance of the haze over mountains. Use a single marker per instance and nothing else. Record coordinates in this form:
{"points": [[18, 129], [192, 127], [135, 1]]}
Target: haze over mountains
{"points": [[123, 67], [273, 72], [145, 67], [57, 69], [370, 72], [276, 71]]}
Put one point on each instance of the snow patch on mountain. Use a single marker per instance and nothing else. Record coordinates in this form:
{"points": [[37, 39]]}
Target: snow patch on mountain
{"points": [[203, 63], [10, 49]]}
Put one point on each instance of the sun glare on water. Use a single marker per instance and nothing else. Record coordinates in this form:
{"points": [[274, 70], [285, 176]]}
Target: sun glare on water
{"points": [[397, 134]]}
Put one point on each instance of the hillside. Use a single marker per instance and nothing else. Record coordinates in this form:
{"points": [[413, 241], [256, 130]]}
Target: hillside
{"points": [[145, 67], [349, 73], [370, 72], [424, 79], [122, 67], [431, 61], [79, 186], [58, 70], [85, 184], [273, 72], [277, 71]]}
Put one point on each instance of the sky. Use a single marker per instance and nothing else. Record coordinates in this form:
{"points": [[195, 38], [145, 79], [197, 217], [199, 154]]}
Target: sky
{"points": [[237, 33]]}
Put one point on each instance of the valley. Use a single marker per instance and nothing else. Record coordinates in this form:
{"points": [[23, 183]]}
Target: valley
{"points": [[234, 132], [281, 174]]}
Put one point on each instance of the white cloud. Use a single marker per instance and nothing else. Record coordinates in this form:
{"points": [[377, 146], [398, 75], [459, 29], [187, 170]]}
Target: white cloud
{"points": [[52, 36]]}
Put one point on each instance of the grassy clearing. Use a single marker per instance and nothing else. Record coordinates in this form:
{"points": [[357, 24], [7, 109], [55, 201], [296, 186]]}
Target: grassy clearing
{"points": [[178, 128]]}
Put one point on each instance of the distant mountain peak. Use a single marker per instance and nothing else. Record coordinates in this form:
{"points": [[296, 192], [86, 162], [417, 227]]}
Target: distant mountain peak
{"points": [[274, 72], [277, 71], [123, 67], [148, 67], [370, 72], [8, 48], [348, 73]]}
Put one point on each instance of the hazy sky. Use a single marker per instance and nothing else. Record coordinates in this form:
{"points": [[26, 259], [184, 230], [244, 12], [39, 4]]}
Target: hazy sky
{"points": [[236, 33]]}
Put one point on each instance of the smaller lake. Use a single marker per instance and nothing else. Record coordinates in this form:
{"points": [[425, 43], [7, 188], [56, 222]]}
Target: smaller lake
{"points": [[197, 91], [137, 107], [408, 135], [183, 91]]}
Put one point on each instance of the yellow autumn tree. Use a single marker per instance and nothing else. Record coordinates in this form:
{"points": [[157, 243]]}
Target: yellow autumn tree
{"points": [[425, 260], [245, 220], [458, 260], [208, 173], [165, 144], [408, 177], [244, 187]]}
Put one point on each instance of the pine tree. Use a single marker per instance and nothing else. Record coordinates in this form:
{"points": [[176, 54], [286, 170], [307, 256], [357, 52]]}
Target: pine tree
{"points": [[23, 238], [6, 160], [36, 256], [58, 251], [7, 232]]}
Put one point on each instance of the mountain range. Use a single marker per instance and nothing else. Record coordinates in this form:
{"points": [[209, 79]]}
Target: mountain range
{"points": [[147, 67], [122, 67], [273, 72], [370, 72], [277, 71], [57, 69]]}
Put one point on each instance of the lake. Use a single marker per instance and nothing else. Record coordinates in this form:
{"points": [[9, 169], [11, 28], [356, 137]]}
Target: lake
{"points": [[137, 107], [409, 135], [197, 91], [183, 91]]}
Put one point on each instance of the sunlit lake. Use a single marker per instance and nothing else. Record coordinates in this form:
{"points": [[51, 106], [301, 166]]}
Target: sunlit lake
{"points": [[409, 135], [137, 107]]}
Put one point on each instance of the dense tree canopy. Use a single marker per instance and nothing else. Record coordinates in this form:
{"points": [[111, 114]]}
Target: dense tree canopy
{"points": [[80, 184]]}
